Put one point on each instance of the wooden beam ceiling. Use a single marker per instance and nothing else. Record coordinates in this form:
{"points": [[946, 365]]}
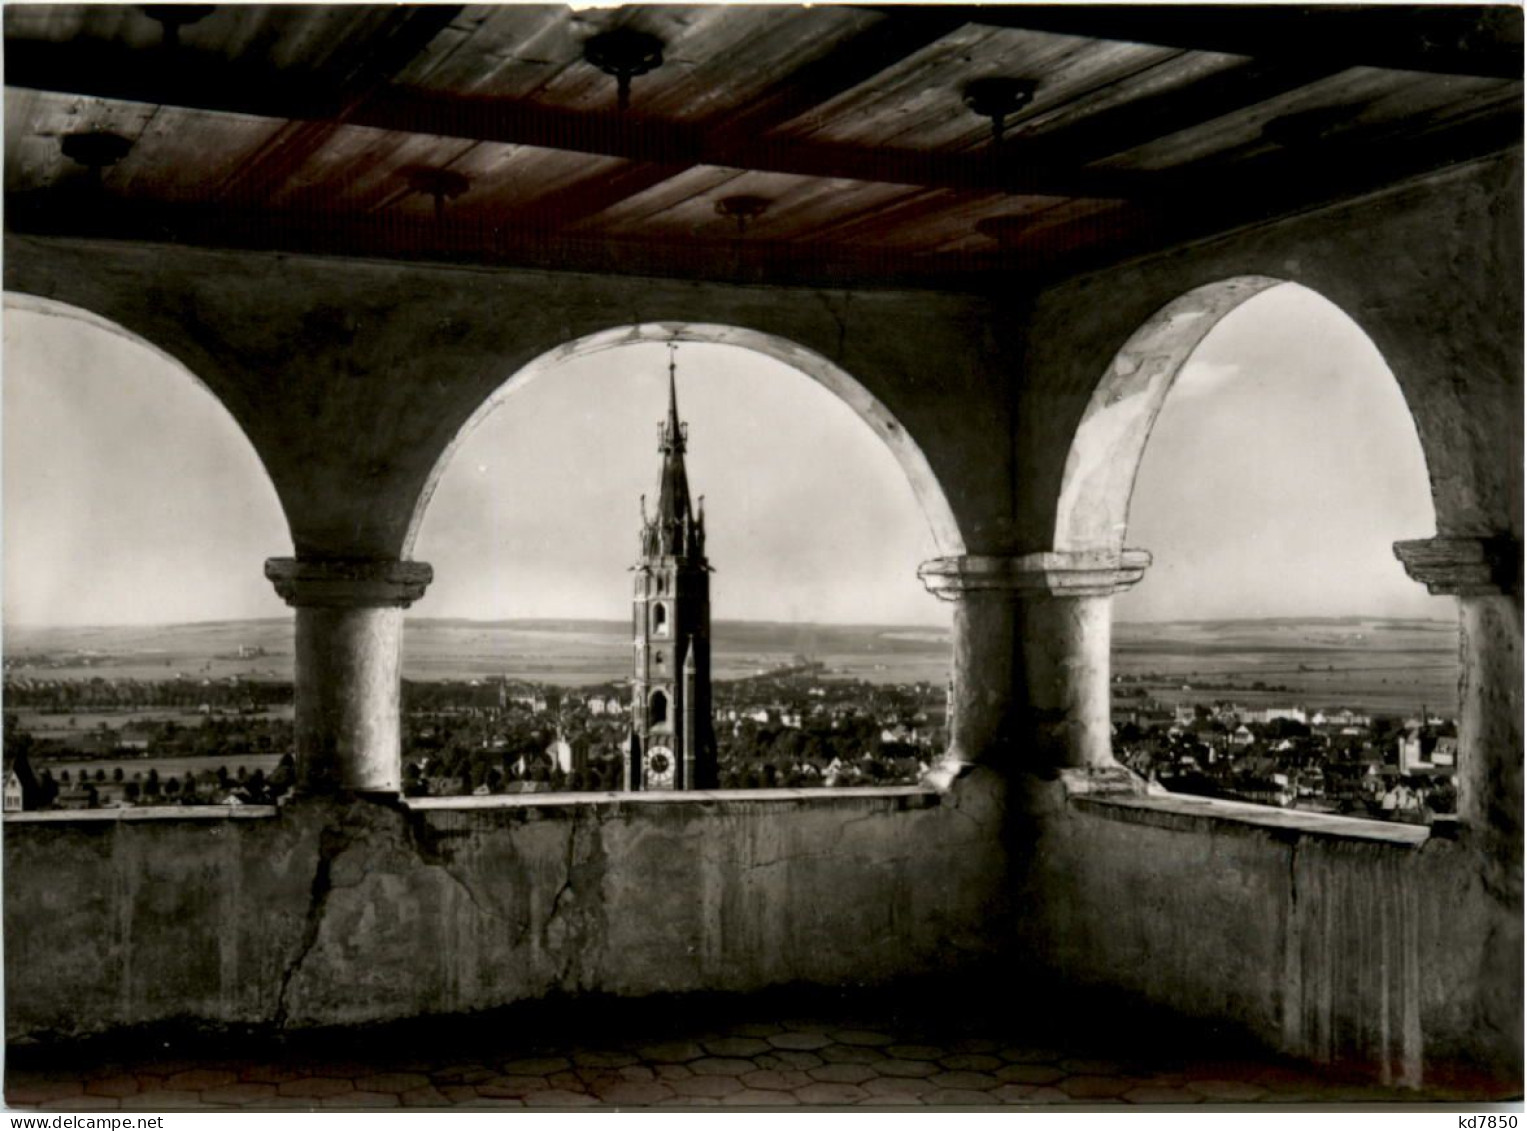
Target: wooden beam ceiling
{"points": [[1293, 49], [1455, 39], [119, 74]]}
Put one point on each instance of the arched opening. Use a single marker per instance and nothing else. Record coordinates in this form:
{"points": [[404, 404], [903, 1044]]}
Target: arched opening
{"points": [[1275, 651], [147, 657], [657, 709], [812, 528], [930, 496]]}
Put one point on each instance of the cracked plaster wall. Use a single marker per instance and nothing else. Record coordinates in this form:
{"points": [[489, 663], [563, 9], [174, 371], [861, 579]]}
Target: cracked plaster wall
{"points": [[349, 914], [1330, 949], [1408, 959]]}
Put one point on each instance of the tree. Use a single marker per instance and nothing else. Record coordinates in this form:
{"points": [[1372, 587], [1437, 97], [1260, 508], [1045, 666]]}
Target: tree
{"points": [[132, 792]]}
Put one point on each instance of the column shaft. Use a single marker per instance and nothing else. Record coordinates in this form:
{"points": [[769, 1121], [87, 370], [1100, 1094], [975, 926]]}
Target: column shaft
{"points": [[349, 668], [348, 694], [981, 706], [1485, 575], [1490, 719], [1031, 655], [1066, 657]]}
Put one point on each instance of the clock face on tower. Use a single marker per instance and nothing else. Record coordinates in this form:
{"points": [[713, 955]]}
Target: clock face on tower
{"points": [[659, 765]]}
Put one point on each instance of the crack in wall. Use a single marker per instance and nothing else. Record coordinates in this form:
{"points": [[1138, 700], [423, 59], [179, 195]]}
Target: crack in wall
{"points": [[426, 845], [331, 843], [574, 929], [840, 318]]}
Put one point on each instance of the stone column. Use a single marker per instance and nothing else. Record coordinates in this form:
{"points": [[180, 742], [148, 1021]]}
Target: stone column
{"points": [[349, 663], [1485, 575], [1032, 636]]}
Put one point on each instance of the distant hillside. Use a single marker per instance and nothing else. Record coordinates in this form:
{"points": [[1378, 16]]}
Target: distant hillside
{"points": [[1386, 664], [558, 650]]}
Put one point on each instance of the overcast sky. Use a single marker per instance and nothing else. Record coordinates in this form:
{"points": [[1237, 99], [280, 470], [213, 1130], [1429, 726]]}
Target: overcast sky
{"points": [[808, 515], [1281, 469]]}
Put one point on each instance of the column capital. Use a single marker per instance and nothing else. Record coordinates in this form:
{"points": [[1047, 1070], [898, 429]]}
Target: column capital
{"points": [[348, 583], [1463, 567], [1052, 573]]}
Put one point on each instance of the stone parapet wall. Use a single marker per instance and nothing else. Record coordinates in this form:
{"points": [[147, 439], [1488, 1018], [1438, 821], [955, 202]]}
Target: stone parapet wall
{"points": [[331, 913], [1360, 943]]}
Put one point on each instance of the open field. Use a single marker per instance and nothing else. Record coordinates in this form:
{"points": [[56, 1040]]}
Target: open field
{"points": [[564, 652], [58, 724], [1386, 667], [1383, 666]]}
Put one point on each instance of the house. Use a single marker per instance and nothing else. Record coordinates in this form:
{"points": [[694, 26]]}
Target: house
{"points": [[1422, 751], [21, 788]]}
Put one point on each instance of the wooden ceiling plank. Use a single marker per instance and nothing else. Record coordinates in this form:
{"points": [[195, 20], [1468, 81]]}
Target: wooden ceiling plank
{"points": [[851, 63], [406, 34], [670, 146], [1140, 120], [1462, 39]]}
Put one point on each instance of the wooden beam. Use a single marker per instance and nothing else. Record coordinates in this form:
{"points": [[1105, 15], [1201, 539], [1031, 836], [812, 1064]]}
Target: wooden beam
{"points": [[1140, 120], [407, 33], [848, 64], [397, 237], [113, 73], [1480, 40]]}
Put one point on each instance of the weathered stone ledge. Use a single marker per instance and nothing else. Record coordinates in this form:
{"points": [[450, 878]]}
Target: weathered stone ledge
{"points": [[147, 813], [1199, 814], [899, 797]]}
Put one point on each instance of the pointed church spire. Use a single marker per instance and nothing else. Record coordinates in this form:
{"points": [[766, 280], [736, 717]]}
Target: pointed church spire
{"points": [[675, 430], [674, 516]]}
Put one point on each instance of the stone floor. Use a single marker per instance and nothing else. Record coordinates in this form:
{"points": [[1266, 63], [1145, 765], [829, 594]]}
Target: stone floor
{"points": [[817, 1051]]}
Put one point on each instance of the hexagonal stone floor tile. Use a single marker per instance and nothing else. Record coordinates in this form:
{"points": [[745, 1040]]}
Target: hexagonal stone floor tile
{"points": [[800, 1041], [757, 1097], [830, 1094], [861, 1037], [1095, 1087], [1149, 1095], [721, 1066], [736, 1046], [1227, 1091], [843, 1073], [670, 1052]]}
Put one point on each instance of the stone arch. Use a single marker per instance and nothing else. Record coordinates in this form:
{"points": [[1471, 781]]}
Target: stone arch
{"points": [[926, 487], [660, 617], [1106, 449], [53, 308], [657, 711]]}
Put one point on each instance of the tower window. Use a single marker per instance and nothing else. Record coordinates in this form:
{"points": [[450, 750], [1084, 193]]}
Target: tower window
{"points": [[658, 714], [660, 618]]}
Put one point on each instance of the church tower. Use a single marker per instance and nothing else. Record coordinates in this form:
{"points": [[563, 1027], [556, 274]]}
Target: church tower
{"points": [[672, 745]]}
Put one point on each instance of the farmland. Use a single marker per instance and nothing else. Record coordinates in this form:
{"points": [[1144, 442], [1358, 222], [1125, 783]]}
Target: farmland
{"points": [[1380, 666]]}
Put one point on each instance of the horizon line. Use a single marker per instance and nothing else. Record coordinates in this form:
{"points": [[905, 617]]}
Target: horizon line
{"points": [[34, 626]]}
